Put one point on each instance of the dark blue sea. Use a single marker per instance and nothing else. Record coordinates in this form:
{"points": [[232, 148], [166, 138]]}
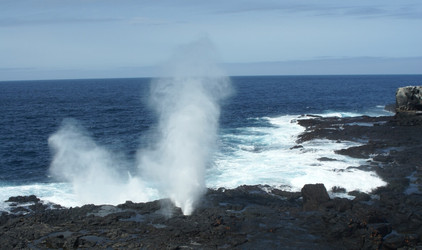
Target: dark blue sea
{"points": [[256, 129]]}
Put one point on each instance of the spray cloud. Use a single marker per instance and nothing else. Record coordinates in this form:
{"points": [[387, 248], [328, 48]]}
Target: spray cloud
{"points": [[187, 105], [95, 173], [186, 101]]}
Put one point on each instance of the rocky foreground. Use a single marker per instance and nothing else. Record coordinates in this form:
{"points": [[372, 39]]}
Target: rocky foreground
{"points": [[255, 217]]}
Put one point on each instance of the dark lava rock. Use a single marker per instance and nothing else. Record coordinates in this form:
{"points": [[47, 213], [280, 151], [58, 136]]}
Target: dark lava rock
{"points": [[313, 196], [394, 241], [408, 118], [297, 147], [337, 189], [326, 159], [19, 210], [360, 196], [342, 204], [23, 199]]}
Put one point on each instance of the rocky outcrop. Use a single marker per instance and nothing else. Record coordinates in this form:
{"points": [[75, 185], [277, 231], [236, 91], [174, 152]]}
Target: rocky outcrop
{"points": [[409, 98], [409, 105], [314, 195]]}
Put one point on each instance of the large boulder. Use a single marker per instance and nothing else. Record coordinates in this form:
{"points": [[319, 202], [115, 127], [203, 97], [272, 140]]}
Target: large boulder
{"points": [[314, 195], [409, 98], [409, 105]]}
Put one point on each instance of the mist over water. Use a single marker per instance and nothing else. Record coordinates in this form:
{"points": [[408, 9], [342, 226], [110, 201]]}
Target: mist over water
{"points": [[97, 175], [186, 100], [187, 105]]}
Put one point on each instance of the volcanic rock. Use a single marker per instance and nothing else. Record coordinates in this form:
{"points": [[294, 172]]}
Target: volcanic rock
{"points": [[409, 105], [409, 98], [313, 196], [23, 199]]}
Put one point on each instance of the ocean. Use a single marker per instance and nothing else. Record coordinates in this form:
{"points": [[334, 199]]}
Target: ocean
{"points": [[256, 133]]}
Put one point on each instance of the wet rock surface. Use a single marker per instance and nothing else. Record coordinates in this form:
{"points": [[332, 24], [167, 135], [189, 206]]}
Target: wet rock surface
{"points": [[254, 217]]}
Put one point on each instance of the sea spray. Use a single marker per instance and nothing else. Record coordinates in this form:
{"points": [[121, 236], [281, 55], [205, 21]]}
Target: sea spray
{"points": [[97, 175], [187, 102]]}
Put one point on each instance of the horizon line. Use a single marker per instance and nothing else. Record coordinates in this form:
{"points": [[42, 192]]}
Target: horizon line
{"points": [[231, 76]]}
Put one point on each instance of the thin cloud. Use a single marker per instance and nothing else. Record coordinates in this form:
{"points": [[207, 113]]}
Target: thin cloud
{"points": [[407, 11], [148, 21], [10, 22], [16, 68], [48, 21]]}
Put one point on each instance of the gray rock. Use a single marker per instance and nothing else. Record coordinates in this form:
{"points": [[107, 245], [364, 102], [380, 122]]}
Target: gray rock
{"points": [[409, 98]]}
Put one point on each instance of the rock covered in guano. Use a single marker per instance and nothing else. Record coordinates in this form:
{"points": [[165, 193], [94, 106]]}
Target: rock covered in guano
{"points": [[409, 98], [409, 105]]}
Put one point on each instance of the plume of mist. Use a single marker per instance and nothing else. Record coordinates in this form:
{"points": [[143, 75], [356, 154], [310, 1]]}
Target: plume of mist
{"points": [[186, 101], [97, 175]]}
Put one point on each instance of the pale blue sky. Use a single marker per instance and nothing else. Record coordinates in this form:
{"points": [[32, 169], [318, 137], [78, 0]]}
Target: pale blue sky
{"points": [[50, 39]]}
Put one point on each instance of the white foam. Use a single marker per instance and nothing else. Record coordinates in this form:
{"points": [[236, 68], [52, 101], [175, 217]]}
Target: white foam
{"points": [[339, 114], [97, 175], [59, 193], [276, 164], [62, 193], [376, 111]]}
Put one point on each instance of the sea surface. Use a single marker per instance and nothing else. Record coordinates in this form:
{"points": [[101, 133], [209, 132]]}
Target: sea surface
{"points": [[256, 134]]}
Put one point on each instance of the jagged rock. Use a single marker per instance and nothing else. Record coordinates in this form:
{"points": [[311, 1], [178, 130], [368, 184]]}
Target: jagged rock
{"points": [[23, 199], [337, 189], [408, 118], [359, 196], [394, 241], [342, 205], [379, 229], [409, 98], [409, 106], [313, 196]]}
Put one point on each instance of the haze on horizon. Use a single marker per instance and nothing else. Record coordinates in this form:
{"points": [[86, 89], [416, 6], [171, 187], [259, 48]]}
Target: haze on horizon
{"points": [[67, 39]]}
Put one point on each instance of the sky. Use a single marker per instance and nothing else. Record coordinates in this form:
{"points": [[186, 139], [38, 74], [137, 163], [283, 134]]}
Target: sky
{"points": [[68, 39]]}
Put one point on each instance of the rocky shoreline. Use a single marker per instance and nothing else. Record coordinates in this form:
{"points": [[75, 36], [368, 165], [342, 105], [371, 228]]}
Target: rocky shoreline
{"points": [[252, 217]]}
